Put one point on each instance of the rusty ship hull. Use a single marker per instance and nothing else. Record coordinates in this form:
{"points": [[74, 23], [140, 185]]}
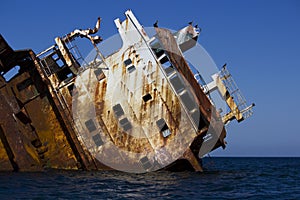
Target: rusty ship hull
{"points": [[129, 111]]}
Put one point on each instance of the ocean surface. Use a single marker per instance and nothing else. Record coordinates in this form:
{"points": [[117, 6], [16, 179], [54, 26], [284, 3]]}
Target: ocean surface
{"points": [[224, 178]]}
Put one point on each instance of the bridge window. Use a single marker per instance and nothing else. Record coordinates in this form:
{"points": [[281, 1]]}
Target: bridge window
{"points": [[60, 63], [187, 101], [64, 74], [177, 83], [156, 48], [169, 70]]}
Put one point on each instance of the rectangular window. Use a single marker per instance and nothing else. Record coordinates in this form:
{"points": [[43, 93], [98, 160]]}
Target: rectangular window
{"points": [[72, 89], [156, 48], [187, 101], [147, 97], [24, 84], [99, 74], [11, 73], [169, 70], [64, 73], [50, 63], [163, 127], [145, 163], [118, 110], [126, 125], [166, 133], [28, 88], [60, 63], [97, 139], [23, 117], [177, 83], [131, 68], [55, 56], [129, 65], [164, 60], [90, 125], [198, 119], [128, 62]]}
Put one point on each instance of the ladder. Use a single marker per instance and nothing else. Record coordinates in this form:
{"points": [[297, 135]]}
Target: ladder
{"points": [[235, 92], [74, 50]]}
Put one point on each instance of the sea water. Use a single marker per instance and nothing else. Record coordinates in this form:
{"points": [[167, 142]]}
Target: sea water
{"points": [[224, 178]]}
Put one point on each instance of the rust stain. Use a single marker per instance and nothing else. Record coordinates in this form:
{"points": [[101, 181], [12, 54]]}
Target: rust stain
{"points": [[37, 129]]}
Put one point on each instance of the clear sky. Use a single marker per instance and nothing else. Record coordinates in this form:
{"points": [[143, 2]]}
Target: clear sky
{"points": [[259, 41]]}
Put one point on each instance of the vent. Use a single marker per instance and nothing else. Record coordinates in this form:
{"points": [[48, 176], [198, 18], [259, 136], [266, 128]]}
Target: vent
{"points": [[177, 84]]}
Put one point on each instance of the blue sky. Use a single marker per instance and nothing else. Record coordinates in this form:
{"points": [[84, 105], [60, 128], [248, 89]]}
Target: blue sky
{"points": [[259, 41]]}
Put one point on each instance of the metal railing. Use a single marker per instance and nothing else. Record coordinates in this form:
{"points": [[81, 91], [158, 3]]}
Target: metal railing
{"points": [[235, 93], [74, 50]]}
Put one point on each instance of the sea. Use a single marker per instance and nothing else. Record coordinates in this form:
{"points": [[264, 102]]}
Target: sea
{"points": [[223, 178]]}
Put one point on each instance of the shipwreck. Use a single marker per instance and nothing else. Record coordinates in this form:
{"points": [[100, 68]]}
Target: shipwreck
{"points": [[142, 108]]}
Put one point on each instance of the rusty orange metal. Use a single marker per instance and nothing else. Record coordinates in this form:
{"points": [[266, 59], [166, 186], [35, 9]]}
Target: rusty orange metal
{"points": [[139, 105]]}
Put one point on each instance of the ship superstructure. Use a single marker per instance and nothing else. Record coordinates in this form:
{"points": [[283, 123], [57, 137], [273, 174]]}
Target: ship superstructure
{"points": [[140, 109]]}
